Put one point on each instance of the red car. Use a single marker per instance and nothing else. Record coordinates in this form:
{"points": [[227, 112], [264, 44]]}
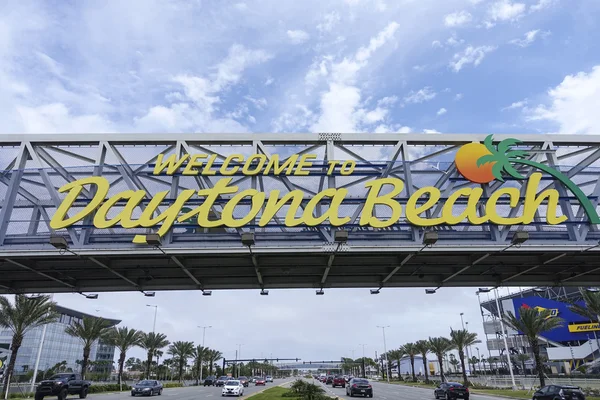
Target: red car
{"points": [[260, 381], [338, 381]]}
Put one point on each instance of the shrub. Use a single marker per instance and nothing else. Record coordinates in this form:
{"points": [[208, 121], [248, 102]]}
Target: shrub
{"points": [[172, 385], [110, 387], [306, 391], [20, 395]]}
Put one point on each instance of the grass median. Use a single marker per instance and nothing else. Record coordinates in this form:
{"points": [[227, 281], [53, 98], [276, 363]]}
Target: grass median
{"points": [[270, 394]]}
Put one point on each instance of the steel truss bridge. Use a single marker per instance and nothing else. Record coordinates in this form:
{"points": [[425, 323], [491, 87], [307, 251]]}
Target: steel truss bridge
{"points": [[194, 258]]}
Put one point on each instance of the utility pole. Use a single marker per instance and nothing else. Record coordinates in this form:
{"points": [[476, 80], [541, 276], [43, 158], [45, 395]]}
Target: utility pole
{"points": [[386, 355], [203, 348], [155, 312], [363, 360], [39, 352], [466, 348]]}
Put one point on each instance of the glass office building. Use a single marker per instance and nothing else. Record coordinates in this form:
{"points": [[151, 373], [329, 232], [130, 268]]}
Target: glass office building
{"points": [[58, 346]]}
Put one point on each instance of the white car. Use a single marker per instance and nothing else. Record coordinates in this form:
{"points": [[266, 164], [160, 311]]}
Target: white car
{"points": [[233, 388], [269, 379]]}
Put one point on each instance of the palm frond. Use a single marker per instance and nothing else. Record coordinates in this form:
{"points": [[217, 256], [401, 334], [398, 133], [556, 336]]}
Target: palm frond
{"points": [[506, 144], [497, 171], [486, 159], [509, 169], [489, 144], [517, 154]]}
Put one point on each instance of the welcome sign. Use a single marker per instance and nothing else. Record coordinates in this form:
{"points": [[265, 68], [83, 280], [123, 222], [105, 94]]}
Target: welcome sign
{"points": [[479, 163]]}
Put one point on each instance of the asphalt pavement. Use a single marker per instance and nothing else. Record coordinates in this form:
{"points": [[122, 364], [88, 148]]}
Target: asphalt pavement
{"points": [[183, 393], [386, 391]]}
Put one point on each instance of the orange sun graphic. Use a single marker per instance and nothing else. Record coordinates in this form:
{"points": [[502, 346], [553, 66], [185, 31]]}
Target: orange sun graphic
{"points": [[466, 163]]}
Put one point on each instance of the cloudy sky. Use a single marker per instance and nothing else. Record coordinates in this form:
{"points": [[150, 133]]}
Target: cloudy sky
{"points": [[208, 66]]}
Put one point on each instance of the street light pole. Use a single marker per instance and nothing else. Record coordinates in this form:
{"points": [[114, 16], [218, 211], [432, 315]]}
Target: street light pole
{"points": [[39, 352], [363, 360], [387, 361], [466, 348], [512, 376], [155, 312], [203, 349]]}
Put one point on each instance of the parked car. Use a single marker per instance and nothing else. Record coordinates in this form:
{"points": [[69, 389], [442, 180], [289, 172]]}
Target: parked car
{"points": [[221, 381], [233, 387], [451, 390], [269, 378], [210, 380], [260, 382], [244, 380], [147, 387], [359, 386], [338, 381], [62, 385], [552, 392]]}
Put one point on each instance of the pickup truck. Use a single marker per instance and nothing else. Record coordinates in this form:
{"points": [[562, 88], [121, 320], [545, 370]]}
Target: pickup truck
{"points": [[62, 385]]}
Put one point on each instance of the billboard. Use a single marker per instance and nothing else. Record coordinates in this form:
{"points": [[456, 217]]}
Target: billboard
{"points": [[576, 327]]}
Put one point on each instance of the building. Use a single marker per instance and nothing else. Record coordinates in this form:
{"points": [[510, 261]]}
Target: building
{"points": [[58, 346], [565, 348]]}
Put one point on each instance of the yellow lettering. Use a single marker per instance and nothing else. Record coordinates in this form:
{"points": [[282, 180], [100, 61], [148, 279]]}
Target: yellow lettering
{"points": [[332, 165], [413, 210], [348, 167], [227, 217], [533, 201], [228, 160], [259, 164], [124, 216], [304, 163], [374, 198], [207, 169], [194, 163], [277, 169], [167, 217], [58, 220], [274, 204], [337, 196], [491, 206], [470, 210], [170, 164], [203, 211]]}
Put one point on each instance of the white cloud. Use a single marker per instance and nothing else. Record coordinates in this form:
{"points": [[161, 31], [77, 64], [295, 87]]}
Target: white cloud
{"points": [[541, 5], [441, 111], [573, 104], [430, 131], [329, 21], [453, 41], [420, 96], [387, 101], [470, 55], [458, 96], [269, 81], [298, 36], [364, 53], [515, 105], [436, 44], [506, 10], [529, 38], [458, 18]]}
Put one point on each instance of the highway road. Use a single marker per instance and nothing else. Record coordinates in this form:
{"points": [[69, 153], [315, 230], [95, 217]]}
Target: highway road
{"points": [[184, 393], [384, 391]]}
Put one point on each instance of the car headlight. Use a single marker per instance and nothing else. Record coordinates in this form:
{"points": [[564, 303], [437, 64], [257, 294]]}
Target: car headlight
{"points": [[58, 383]]}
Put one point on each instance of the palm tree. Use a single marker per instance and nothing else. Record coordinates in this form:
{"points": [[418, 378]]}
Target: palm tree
{"points": [[123, 339], [213, 357], [440, 346], [394, 355], [493, 361], [410, 349], [151, 342], [591, 309], [522, 358], [474, 361], [462, 339], [454, 362], [182, 351], [199, 355], [25, 314], [422, 347], [88, 330], [532, 323], [504, 157]]}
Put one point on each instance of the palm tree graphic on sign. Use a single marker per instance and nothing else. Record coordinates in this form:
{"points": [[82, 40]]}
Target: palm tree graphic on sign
{"points": [[482, 163]]}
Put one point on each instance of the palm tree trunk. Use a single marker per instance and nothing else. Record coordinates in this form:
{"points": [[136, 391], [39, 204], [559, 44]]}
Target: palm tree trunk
{"points": [[84, 362], [461, 355], [538, 362], [440, 361], [149, 362], [586, 204], [523, 363], [181, 370], [425, 367], [121, 362], [17, 340], [412, 367]]}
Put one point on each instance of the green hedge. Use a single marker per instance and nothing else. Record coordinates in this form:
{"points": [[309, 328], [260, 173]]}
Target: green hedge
{"points": [[172, 385], [110, 387], [19, 395]]}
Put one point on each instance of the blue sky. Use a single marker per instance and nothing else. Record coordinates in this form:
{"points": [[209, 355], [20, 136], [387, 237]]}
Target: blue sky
{"points": [[211, 66], [263, 66]]}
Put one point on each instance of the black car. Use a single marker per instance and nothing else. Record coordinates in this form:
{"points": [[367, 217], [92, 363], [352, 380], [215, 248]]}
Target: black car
{"points": [[329, 380], [210, 381], [359, 386], [147, 387], [451, 390], [243, 380], [221, 381], [62, 385], [559, 392]]}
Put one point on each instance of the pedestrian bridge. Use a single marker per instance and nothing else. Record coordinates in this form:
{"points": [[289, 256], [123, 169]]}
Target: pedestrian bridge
{"points": [[83, 213]]}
